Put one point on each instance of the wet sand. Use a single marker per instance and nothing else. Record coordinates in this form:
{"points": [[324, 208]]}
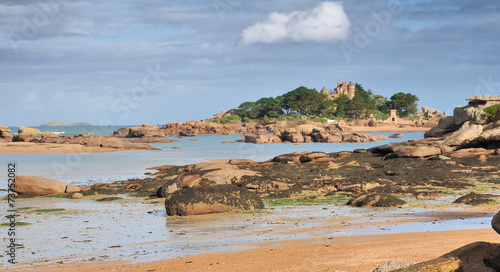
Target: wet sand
{"points": [[21, 147], [133, 234], [351, 253]]}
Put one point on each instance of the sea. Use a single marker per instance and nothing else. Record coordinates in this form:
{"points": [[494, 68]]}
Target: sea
{"points": [[89, 168]]}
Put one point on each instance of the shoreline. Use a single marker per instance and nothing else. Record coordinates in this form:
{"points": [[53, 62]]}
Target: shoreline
{"points": [[27, 148], [389, 129], [344, 253], [35, 148]]}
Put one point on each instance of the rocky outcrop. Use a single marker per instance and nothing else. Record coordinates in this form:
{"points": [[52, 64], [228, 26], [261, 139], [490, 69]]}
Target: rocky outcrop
{"points": [[467, 133], [309, 133], [138, 132], [465, 119], [376, 200], [41, 186], [27, 134], [5, 135], [213, 199], [431, 113]]}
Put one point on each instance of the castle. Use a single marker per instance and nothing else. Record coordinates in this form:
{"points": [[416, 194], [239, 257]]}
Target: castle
{"points": [[342, 88]]}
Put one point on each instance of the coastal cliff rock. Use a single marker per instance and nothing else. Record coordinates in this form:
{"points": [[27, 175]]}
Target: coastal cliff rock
{"points": [[213, 199], [41, 186]]}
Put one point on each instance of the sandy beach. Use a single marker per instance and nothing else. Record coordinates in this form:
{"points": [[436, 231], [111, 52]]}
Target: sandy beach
{"points": [[22, 147], [388, 128], [351, 253]]}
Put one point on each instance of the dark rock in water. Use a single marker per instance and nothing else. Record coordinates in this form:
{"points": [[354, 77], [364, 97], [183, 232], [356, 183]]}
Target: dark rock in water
{"points": [[213, 199], [397, 135], [376, 200], [109, 198], [495, 223], [475, 199]]}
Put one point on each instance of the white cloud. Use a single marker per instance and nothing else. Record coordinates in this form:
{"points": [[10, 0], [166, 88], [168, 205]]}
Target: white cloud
{"points": [[326, 22]]}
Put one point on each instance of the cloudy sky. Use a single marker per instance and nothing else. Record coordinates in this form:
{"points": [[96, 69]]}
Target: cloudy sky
{"points": [[133, 62]]}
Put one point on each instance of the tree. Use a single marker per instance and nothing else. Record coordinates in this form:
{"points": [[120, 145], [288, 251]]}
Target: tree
{"points": [[405, 104], [304, 101]]}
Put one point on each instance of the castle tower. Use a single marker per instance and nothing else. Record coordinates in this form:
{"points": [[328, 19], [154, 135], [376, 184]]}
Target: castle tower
{"points": [[351, 88], [324, 90]]}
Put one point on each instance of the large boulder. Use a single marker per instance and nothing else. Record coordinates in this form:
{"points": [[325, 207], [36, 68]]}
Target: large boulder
{"points": [[227, 175], [442, 264], [445, 125], [5, 134], [112, 143], [213, 199], [262, 139], [491, 135], [358, 138], [467, 132], [495, 223], [295, 137], [375, 200], [38, 185], [188, 181], [474, 114], [143, 131], [418, 151], [26, 134]]}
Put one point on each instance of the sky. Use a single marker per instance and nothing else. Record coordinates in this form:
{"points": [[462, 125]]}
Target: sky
{"points": [[128, 62]]}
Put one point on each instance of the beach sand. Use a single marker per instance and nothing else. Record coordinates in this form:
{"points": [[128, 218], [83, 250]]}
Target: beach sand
{"points": [[22, 147], [350, 253], [388, 128]]}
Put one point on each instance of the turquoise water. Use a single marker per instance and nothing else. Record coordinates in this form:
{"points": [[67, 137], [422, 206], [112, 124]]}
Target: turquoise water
{"points": [[88, 168]]}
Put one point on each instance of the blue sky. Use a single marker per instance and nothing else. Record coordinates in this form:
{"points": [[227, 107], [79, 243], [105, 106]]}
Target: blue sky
{"points": [[133, 62]]}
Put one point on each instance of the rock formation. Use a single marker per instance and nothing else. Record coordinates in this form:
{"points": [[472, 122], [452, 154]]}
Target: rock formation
{"points": [[41, 186], [212, 199], [5, 135], [27, 134], [469, 132], [309, 133]]}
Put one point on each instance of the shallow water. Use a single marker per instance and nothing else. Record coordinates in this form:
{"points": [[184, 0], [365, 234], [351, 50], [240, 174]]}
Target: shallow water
{"points": [[130, 230], [88, 168]]}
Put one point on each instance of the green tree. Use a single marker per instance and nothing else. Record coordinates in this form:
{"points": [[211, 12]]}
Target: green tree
{"points": [[304, 101], [405, 104]]}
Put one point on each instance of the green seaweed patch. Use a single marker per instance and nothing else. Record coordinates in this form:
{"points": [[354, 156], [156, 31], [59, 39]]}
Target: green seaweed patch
{"points": [[25, 208], [306, 200], [48, 210], [17, 224], [54, 196]]}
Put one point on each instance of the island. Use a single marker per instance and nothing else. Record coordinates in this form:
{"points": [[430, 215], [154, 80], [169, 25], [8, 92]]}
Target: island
{"points": [[55, 123]]}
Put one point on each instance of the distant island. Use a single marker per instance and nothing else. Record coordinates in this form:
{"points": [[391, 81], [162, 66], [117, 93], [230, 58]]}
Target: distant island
{"points": [[55, 123]]}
